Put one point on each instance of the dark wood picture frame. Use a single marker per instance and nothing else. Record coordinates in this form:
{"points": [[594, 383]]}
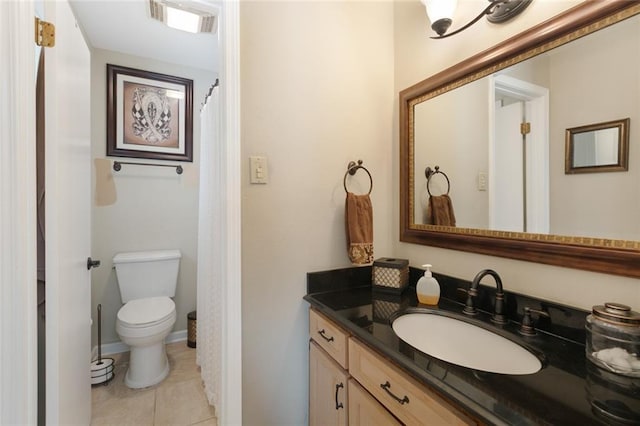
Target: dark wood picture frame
{"points": [[149, 115], [622, 157]]}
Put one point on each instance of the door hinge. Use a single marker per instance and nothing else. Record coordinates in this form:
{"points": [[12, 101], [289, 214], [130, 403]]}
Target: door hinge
{"points": [[525, 128], [45, 33]]}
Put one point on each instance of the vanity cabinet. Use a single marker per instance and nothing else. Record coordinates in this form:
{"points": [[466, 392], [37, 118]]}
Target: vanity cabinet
{"points": [[366, 410], [334, 398], [409, 401], [351, 384], [328, 403], [329, 336]]}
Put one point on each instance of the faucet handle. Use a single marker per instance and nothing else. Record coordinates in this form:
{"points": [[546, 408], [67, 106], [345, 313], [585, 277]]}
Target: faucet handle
{"points": [[469, 309], [527, 328]]}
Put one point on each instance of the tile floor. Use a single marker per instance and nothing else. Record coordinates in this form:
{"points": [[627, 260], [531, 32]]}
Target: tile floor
{"points": [[178, 400]]}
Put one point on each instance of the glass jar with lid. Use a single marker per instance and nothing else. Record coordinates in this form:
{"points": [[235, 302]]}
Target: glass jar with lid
{"points": [[613, 338]]}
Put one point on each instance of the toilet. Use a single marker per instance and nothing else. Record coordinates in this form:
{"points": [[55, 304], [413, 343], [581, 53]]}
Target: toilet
{"points": [[147, 282]]}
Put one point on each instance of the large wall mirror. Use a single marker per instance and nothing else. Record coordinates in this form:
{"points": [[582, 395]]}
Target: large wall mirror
{"points": [[495, 126]]}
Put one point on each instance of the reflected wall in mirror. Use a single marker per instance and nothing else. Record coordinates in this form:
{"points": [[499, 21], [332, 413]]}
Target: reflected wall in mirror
{"points": [[601, 147], [508, 185]]}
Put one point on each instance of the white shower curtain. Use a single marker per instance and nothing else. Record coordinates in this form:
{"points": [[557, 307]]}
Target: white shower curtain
{"points": [[210, 256]]}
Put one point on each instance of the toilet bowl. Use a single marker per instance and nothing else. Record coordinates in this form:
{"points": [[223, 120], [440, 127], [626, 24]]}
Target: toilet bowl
{"points": [[143, 324], [147, 281]]}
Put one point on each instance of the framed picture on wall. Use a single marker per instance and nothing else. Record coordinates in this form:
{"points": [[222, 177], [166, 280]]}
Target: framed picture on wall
{"points": [[149, 115]]}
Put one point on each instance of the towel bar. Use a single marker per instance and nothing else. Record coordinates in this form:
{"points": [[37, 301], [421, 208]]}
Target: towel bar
{"points": [[117, 165]]}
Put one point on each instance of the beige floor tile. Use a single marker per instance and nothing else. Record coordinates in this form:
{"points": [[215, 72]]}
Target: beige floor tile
{"points": [[209, 422], [182, 365], [182, 403], [179, 348], [178, 400], [116, 387], [133, 410]]}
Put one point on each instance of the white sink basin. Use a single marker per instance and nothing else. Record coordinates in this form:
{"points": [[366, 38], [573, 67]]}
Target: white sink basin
{"points": [[464, 344]]}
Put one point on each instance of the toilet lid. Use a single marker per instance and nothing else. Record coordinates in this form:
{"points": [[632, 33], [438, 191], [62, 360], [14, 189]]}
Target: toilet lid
{"points": [[145, 311]]}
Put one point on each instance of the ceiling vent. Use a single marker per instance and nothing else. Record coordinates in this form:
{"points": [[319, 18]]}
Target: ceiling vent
{"points": [[191, 16]]}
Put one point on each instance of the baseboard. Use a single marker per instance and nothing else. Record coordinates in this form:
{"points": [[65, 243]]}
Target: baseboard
{"points": [[119, 347]]}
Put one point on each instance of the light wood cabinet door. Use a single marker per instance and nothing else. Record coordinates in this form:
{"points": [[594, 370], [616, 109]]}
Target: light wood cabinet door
{"points": [[408, 400], [328, 403], [365, 410], [329, 336]]}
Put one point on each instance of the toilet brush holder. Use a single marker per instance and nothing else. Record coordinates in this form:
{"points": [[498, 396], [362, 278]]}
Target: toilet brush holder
{"points": [[102, 369]]}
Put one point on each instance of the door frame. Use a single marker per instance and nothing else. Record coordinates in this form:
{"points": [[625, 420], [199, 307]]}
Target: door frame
{"points": [[18, 307], [230, 149], [18, 303]]}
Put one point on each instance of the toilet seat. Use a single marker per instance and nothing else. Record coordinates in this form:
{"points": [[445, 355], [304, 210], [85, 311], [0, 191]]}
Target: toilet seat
{"points": [[146, 312]]}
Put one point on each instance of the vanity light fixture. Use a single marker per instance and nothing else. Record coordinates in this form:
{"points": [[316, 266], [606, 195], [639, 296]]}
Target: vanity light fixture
{"points": [[440, 13], [191, 16]]}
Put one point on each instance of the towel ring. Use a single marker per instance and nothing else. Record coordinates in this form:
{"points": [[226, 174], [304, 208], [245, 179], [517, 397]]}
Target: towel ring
{"points": [[428, 172], [352, 167]]}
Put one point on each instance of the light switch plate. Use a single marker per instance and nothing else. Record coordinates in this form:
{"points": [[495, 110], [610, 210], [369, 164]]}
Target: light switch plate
{"points": [[482, 181], [259, 170]]}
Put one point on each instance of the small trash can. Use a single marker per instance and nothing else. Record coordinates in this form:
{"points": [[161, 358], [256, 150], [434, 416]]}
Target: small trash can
{"points": [[191, 329]]}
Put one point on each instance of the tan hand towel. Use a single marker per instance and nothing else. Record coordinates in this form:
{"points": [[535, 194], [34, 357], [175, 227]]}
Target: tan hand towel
{"points": [[440, 211], [359, 228]]}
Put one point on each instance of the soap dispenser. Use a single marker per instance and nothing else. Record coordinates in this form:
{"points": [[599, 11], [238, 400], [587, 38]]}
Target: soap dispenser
{"points": [[428, 289]]}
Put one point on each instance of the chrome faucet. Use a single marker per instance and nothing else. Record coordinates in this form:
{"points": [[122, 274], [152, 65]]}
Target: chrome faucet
{"points": [[498, 315]]}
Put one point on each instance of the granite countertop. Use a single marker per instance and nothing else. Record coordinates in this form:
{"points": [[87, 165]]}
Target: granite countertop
{"points": [[567, 390]]}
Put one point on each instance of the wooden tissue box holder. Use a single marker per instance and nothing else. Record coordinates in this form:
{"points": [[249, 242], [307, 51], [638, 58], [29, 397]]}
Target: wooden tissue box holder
{"points": [[390, 275]]}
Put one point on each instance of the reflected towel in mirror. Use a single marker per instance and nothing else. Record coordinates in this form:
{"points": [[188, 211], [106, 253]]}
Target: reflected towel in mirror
{"points": [[359, 228], [440, 211]]}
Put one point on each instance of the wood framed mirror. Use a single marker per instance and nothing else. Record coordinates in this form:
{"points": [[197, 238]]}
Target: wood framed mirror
{"points": [[597, 148], [575, 246]]}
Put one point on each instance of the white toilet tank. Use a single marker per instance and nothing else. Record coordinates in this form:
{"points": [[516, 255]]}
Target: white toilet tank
{"points": [[147, 273]]}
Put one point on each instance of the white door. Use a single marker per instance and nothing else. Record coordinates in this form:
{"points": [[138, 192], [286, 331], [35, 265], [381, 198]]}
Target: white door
{"points": [[68, 238], [507, 209]]}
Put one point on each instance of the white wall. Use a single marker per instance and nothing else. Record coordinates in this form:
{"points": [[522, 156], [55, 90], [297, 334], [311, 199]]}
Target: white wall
{"points": [[319, 88], [141, 208], [317, 92], [448, 131], [416, 58], [608, 202]]}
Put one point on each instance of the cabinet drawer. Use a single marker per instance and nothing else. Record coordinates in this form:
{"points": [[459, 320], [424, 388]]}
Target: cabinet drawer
{"points": [[409, 401], [365, 410], [329, 336]]}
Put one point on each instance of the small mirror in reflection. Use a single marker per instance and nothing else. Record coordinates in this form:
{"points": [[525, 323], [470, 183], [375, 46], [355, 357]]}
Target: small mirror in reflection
{"points": [[596, 148]]}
